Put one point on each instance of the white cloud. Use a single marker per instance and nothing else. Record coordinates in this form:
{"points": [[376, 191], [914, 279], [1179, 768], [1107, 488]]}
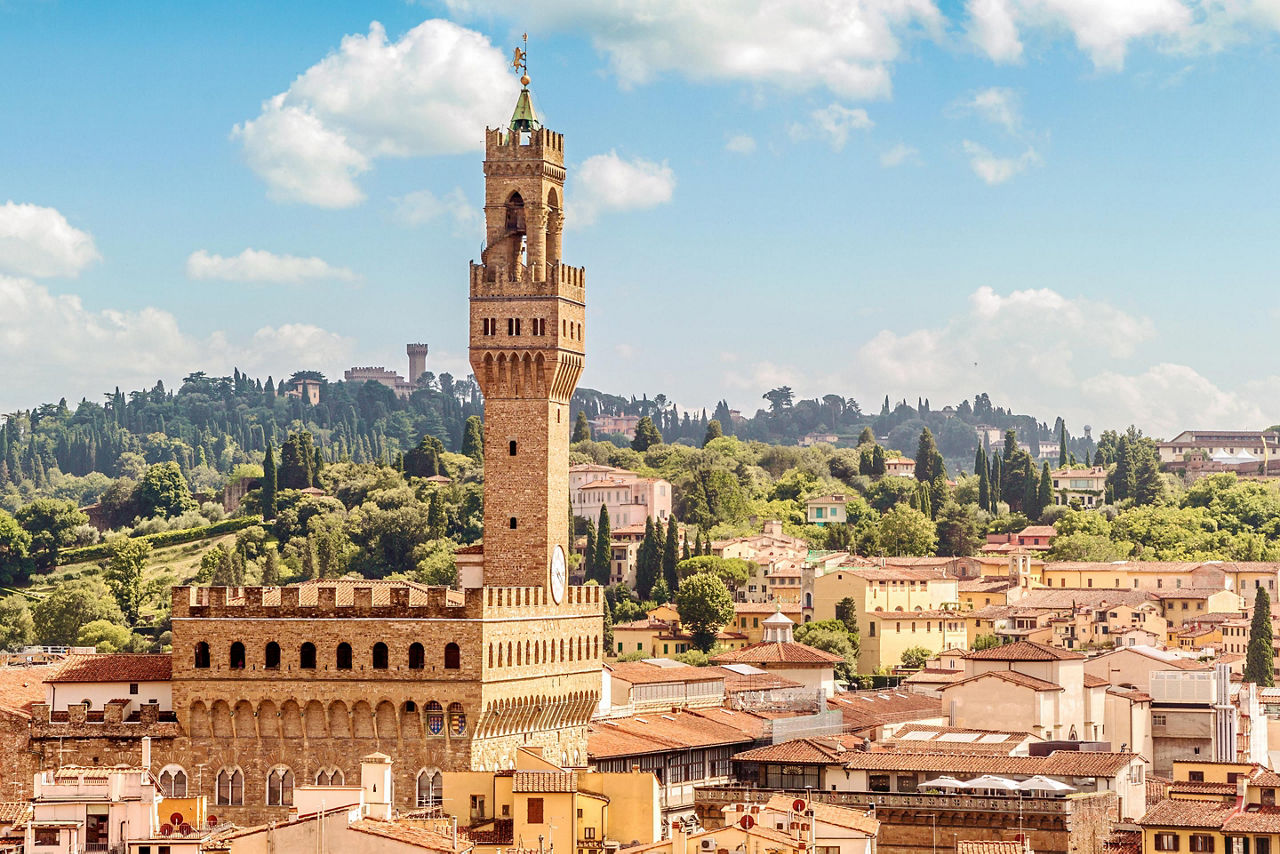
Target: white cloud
{"points": [[898, 155], [741, 144], [997, 105], [83, 353], [255, 265], [1101, 28], [996, 170], [38, 241], [433, 91], [607, 182], [848, 48], [423, 206], [832, 123], [1049, 354]]}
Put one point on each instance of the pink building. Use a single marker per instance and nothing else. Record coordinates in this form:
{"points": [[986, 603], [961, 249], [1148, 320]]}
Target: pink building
{"points": [[624, 424], [631, 499]]}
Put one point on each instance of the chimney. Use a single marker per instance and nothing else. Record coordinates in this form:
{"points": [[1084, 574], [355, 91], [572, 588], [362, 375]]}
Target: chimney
{"points": [[146, 752], [677, 836], [375, 780]]}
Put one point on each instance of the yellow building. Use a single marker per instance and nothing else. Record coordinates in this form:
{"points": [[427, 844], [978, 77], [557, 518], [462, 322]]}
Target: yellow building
{"points": [[884, 588], [749, 618], [564, 810], [1185, 605], [1215, 807], [659, 634], [887, 634]]}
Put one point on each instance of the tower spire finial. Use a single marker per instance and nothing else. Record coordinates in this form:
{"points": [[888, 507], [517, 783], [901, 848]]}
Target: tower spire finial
{"points": [[520, 62], [524, 119]]}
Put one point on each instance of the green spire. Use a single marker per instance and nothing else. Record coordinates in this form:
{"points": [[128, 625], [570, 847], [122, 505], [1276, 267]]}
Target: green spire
{"points": [[524, 119]]}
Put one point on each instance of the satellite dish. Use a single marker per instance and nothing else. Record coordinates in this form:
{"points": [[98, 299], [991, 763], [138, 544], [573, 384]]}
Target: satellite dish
{"points": [[166, 830], [798, 805], [747, 822], [176, 818], [212, 821], [184, 829]]}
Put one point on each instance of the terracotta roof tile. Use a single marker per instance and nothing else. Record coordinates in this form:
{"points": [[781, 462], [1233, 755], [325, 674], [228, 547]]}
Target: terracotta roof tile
{"points": [[983, 846], [772, 652], [642, 673], [1091, 681], [1168, 813], [22, 686], [545, 781], [1254, 819], [659, 733], [865, 709], [1024, 651], [1187, 787], [408, 834], [803, 751], [115, 667], [1014, 678], [1060, 763], [1265, 777], [14, 812]]}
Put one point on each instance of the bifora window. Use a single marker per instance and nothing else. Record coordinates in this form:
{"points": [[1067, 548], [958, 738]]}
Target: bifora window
{"points": [[330, 777], [173, 782], [280, 788], [230, 787]]}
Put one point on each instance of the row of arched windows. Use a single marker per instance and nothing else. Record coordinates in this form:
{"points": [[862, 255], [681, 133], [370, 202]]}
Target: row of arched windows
{"points": [[229, 784], [516, 654], [380, 657]]}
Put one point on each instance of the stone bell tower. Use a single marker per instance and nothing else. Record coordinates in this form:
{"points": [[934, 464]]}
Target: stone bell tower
{"points": [[528, 314]]}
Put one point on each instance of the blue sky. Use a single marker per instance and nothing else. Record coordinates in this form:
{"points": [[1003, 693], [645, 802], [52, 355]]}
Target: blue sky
{"points": [[1068, 204]]}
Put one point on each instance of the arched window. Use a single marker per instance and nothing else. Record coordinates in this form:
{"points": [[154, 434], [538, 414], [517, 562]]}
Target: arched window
{"points": [[491, 655], [435, 718], [457, 719], [173, 781], [272, 656], [237, 656], [330, 777], [519, 655], [280, 788], [344, 656], [230, 787], [418, 657], [511, 448], [430, 789], [513, 523], [410, 707], [379, 656], [307, 656], [202, 655], [452, 656]]}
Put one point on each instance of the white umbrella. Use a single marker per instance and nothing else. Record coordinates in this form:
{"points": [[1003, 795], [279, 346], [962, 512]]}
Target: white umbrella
{"points": [[943, 783], [1044, 784], [989, 781]]}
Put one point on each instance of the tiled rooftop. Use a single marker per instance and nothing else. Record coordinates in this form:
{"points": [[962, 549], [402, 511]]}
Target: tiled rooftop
{"points": [[114, 667]]}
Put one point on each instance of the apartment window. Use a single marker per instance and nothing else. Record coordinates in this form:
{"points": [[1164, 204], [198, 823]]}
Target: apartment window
{"points": [[1201, 842], [871, 629], [878, 782], [46, 836], [535, 811], [1166, 842], [1262, 845], [827, 849], [133, 687], [1160, 720], [588, 832]]}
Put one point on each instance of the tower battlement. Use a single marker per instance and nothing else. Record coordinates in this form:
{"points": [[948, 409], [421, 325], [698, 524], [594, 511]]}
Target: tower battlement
{"points": [[500, 144]]}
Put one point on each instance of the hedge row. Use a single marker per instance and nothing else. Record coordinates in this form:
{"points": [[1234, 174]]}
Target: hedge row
{"points": [[102, 551]]}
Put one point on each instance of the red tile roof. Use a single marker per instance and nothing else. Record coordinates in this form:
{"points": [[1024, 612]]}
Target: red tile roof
{"points": [[983, 846], [773, 652], [735, 683], [419, 837], [545, 781], [659, 733], [1060, 763], [866, 709], [1024, 651], [1254, 819], [1020, 679], [1168, 813], [115, 667], [803, 751], [642, 673], [1186, 787], [22, 686], [1091, 681]]}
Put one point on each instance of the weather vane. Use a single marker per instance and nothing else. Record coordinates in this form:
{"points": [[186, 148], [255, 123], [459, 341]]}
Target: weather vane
{"points": [[520, 62]]}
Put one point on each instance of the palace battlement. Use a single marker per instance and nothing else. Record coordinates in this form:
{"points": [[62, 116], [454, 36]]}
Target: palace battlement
{"points": [[501, 144], [561, 280], [383, 601]]}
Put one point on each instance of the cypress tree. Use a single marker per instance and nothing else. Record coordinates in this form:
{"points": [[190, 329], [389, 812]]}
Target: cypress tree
{"points": [[979, 460], [1259, 667], [646, 571], [269, 484], [1031, 489], [1045, 498], [604, 556], [435, 517], [866, 437], [984, 481], [864, 462], [877, 461], [581, 428], [996, 485], [270, 568], [473, 439], [684, 553], [670, 552], [714, 431], [1062, 444], [589, 553]]}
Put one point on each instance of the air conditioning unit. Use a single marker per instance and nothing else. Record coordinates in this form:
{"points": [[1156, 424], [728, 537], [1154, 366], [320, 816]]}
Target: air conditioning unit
{"points": [[708, 844]]}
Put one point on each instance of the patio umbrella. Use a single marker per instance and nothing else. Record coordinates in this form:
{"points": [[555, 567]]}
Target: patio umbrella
{"points": [[989, 781], [943, 783], [1044, 784]]}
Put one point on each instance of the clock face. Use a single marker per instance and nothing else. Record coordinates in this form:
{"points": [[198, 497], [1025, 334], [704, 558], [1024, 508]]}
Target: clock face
{"points": [[558, 574]]}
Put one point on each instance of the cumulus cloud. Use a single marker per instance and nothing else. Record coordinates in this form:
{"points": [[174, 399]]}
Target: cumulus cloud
{"points": [[741, 143], [1071, 365], [993, 169], [1103, 29], [83, 352], [432, 91], [38, 241], [848, 48], [255, 265], [898, 155], [607, 182], [423, 206], [833, 124], [997, 105]]}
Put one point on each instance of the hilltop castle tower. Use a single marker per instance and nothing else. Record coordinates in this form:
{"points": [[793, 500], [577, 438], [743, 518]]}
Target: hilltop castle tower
{"points": [[528, 313]]}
